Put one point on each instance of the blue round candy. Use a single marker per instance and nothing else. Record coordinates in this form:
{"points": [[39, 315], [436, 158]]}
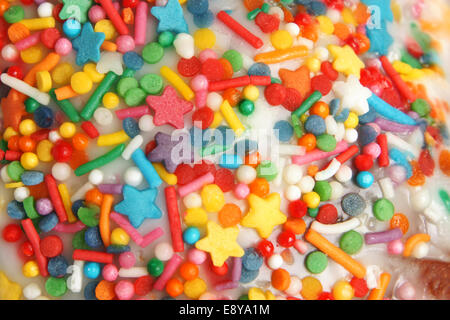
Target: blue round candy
{"points": [[244, 147], [191, 235], [248, 275], [204, 20], [366, 134], [342, 116], [334, 106], [196, 7], [317, 8], [92, 237], [283, 130], [251, 260], [133, 60], [57, 266], [368, 117], [71, 28], [92, 270], [224, 135], [131, 127], [89, 290], [15, 210], [43, 116], [32, 178], [353, 204], [315, 125], [77, 205], [259, 69], [364, 179], [230, 161], [115, 249], [48, 222]]}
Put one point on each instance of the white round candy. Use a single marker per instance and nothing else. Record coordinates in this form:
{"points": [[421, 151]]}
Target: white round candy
{"points": [[344, 173], [31, 291], [96, 176], [163, 251], [146, 123], [192, 200], [321, 53], [184, 45], [54, 136], [340, 132], [336, 190], [421, 199], [21, 193], [292, 173], [10, 53], [4, 175], [133, 176], [331, 125], [275, 261], [420, 250], [293, 29], [103, 116], [334, 15], [45, 10], [214, 101], [246, 174], [306, 184], [277, 11], [292, 193], [295, 286], [351, 135], [61, 171]]}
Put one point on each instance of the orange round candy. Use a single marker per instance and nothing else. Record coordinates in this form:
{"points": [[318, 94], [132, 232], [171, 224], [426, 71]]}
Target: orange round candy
{"points": [[80, 141], [260, 187], [189, 271], [105, 290], [417, 178], [320, 109], [312, 170], [13, 143], [363, 42], [444, 162], [174, 287], [399, 220], [94, 196], [252, 159], [295, 225], [280, 279], [308, 141], [230, 215], [232, 95], [26, 144]]}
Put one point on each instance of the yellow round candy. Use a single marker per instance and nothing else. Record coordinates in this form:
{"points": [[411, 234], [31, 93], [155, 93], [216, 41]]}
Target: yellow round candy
{"points": [[67, 130], [313, 64], [204, 38], [9, 132], [312, 199], [196, 217], [44, 81], [281, 39], [325, 24], [32, 54], [91, 70], [110, 100], [107, 27], [256, 294], [212, 197], [311, 288], [251, 92], [352, 121], [343, 290], [44, 150], [81, 83], [61, 73], [27, 127], [194, 288], [29, 160], [30, 269], [119, 237]]}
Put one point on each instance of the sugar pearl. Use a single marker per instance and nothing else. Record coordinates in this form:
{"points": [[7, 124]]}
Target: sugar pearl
{"points": [[334, 15], [351, 135], [199, 83], [103, 116], [420, 200], [163, 251], [293, 29], [96, 13], [197, 256], [275, 261], [31, 291], [336, 190], [292, 193], [133, 176], [4, 175], [63, 46], [306, 184], [321, 53], [406, 291], [294, 286], [110, 272], [192, 200], [397, 173], [292, 174], [44, 206], [45, 10], [395, 247], [61, 171], [125, 43], [21, 193], [277, 11], [10, 53], [96, 177], [241, 191], [246, 174], [301, 246], [214, 101], [372, 149], [420, 250], [344, 173], [124, 290], [127, 259], [146, 123], [54, 136]]}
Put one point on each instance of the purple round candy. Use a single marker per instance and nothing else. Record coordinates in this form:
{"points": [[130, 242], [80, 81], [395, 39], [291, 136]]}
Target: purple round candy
{"points": [[397, 173], [383, 236], [44, 206]]}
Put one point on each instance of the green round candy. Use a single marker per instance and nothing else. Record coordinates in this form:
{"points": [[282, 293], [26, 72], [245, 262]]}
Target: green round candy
{"points": [[14, 14], [326, 142], [246, 107], [313, 212], [128, 73], [351, 242], [15, 170], [244, 297], [235, 58], [267, 170], [152, 52], [89, 216], [56, 287], [126, 84], [31, 105], [78, 241], [155, 267], [135, 97], [421, 106], [383, 209], [165, 39], [152, 83], [323, 189], [316, 262]]}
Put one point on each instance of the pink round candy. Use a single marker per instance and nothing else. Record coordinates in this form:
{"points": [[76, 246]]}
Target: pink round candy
{"points": [[300, 246], [406, 291], [63, 46], [96, 13], [395, 247], [124, 290], [241, 191], [125, 43], [110, 272], [127, 259], [10, 53], [199, 83], [372, 149], [207, 54], [196, 256], [397, 173]]}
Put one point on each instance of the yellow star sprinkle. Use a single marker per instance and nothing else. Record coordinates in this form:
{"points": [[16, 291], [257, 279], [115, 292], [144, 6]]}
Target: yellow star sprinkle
{"points": [[220, 243], [345, 60], [9, 290], [264, 214]]}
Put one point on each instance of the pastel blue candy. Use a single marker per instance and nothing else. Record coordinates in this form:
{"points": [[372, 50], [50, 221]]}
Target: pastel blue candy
{"points": [[32, 178], [88, 45], [92, 237], [251, 260], [197, 6], [77, 205], [191, 235], [259, 69], [248, 275], [334, 106], [368, 117], [366, 134], [48, 222], [15, 210], [92, 270], [57, 266], [342, 116], [204, 20], [353, 204], [244, 147], [316, 8], [115, 249], [389, 112], [283, 130], [315, 125], [71, 28], [89, 290], [147, 169], [364, 179], [170, 18], [133, 60], [131, 127], [380, 39], [43, 116], [399, 157], [382, 6], [230, 161]]}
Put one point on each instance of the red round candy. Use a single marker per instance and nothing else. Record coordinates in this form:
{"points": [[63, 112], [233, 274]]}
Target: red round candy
{"points": [[325, 296], [185, 174], [203, 168], [27, 249], [189, 67], [220, 271], [265, 248], [203, 117], [12, 233], [297, 208], [303, 19], [266, 22], [51, 246], [16, 72], [363, 162], [56, 10], [130, 3], [49, 37], [62, 151], [224, 178], [359, 286], [426, 163], [143, 285], [293, 99], [275, 94], [321, 83], [213, 69], [286, 239], [328, 214], [150, 146], [327, 69]]}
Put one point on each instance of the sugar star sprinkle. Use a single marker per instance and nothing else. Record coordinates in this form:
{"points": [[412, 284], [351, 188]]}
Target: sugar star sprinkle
{"points": [[345, 60], [75, 9], [353, 95], [298, 79], [170, 18], [88, 44]]}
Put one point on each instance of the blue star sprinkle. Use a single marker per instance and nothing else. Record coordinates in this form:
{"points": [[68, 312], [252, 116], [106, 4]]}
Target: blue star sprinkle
{"points": [[384, 8], [380, 39], [170, 18], [88, 44]]}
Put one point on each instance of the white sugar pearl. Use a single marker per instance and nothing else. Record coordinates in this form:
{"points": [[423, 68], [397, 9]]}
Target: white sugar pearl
{"points": [[214, 101], [192, 200], [246, 174], [334, 15], [10, 53], [61, 171], [45, 10], [306, 184], [4, 175], [351, 135], [344, 173], [292, 173], [292, 193], [163, 251], [184, 45], [420, 250], [336, 190], [293, 29], [31, 291], [133, 176], [277, 11], [96, 176], [331, 125], [146, 123], [21, 193], [275, 261], [103, 116], [420, 199], [54, 136], [295, 286], [321, 53]]}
